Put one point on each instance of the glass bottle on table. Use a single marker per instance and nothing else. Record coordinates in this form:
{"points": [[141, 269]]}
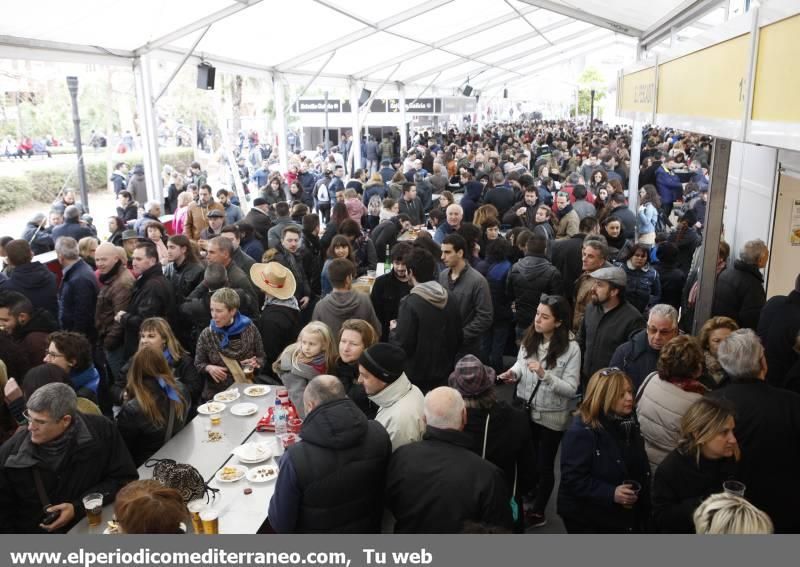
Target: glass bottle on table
{"points": [[387, 263]]}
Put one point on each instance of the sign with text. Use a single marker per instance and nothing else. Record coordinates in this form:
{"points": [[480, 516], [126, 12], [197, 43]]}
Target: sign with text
{"points": [[317, 105], [638, 91]]}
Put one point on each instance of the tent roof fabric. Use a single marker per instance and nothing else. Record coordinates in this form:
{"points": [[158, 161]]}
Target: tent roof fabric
{"points": [[446, 41]]}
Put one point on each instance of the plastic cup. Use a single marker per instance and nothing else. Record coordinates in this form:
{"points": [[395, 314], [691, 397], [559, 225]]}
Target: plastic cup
{"points": [[636, 487], [249, 372], [93, 504], [210, 519], [216, 419], [195, 507], [734, 487]]}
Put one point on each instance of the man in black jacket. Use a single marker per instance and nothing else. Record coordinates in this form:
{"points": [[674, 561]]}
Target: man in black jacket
{"points": [[258, 218], [740, 291], [429, 327], [567, 255], [638, 357], [411, 205], [778, 327], [73, 454], [529, 279], [438, 484], [389, 289], [152, 295], [767, 428], [332, 481], [385, 234], [77, 295], [31, 279]]}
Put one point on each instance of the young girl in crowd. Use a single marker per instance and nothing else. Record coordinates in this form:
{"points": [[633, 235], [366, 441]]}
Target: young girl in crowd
{"points": [[340, 248], [313, 354]]}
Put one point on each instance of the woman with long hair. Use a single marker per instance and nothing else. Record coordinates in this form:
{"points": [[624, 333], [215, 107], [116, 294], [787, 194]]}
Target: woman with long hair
{"points": [[547, 373], [599, 177], [339, 214], [355, 336], [647, 217], [706, 456], [156, 407], [115, 227], [179, 220], [366, 257], [340, 248], [605, 476], [157, 234]]}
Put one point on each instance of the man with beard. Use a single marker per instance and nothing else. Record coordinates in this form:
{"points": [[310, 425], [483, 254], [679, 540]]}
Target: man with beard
{"points": [[27, 325], [390, 288]]}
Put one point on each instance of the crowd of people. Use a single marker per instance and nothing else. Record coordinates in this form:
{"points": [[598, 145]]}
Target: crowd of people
{"points": [[512, 265]]}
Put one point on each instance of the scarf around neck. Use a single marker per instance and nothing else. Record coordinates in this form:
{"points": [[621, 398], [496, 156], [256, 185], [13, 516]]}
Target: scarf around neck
{"points": [[105, 279], [240, 323], [88, 378]]}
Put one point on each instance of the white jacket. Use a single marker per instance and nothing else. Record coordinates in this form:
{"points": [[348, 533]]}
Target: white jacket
{"points": [[660, 407], [550, 406], [401, 411]]}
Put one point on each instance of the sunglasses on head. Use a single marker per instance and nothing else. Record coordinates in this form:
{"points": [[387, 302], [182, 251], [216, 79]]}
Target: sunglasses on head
{"points": [[609, 371]]}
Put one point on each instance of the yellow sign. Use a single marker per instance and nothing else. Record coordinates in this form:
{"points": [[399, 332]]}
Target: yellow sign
{"points": [[710, 83], [777, 81], [638, 90]]}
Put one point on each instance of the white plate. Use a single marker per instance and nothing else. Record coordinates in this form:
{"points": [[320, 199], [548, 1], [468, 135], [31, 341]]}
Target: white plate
{"points": [[264, 473], [210, 408], [244, 409], [256, 391], [237, 473], [253, 452], [227, 396]]}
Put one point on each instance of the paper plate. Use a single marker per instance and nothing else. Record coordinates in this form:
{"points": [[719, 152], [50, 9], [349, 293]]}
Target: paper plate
{"points": [[244, 409]]}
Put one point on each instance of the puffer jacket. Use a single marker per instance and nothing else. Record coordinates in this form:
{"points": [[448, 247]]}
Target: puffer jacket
{"points": [[660, 407], [550, 405], [401, 411], [528, 280], [740, 294]]}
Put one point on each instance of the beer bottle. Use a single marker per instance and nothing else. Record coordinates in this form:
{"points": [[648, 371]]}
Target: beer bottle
{"points": [[387, 263]]}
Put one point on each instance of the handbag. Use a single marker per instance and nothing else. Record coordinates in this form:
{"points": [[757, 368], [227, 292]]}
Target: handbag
{"points": [[522, 403], [184, 478]]}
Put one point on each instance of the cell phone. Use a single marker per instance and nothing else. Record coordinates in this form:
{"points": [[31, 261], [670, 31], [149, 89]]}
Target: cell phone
{"points": [[50, 517]]}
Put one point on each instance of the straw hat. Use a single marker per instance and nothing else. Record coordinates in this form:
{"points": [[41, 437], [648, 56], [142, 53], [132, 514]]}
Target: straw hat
{"points": [[274, 279]]}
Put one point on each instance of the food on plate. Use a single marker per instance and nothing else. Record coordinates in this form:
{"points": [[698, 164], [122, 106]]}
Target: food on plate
{"points": [[230, 473], [256, 391], [227, 396], [211, 407], [263, 473]]}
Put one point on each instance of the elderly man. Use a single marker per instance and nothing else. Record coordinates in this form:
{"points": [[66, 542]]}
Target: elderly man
{"points": [[216, 220], [332, 481], [455, 214], [69, 454], [439, 484], [740, 289], [72, 225], [258, 218], [114, 296], [638, 357], [220, 251], [608, 322], [767, 429], [152, 213], [401, 403], [77, 295]]}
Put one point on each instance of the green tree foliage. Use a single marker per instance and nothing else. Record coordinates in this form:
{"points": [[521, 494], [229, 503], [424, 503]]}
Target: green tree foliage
{"points": [[590, 79]]}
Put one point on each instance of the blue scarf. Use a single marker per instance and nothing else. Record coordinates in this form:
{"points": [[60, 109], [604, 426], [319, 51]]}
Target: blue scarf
{"points": [[168, 390], [88, 378], [168, 356], [240, 323]]}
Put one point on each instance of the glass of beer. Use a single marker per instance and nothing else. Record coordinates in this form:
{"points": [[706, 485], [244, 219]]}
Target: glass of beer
{"points": [[93, 503], [249, 372], [210, 519], [195, 507]]}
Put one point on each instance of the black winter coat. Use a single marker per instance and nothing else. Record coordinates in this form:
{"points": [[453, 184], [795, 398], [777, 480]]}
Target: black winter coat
{"points": [[778, 326], [152, 297], [387, 292], [40, 243], [279, 328], [77, 299], [73, 229], [431, 337], [98, 461], [602, 332], [740, 294], [768, 431], [37, 283], [567, 257], [528, 280], [383, 235], [339, 471], [594, 462], [438, 484], [680, 485], [184, 278], [261, 224], [672, 282], [636, 358]]}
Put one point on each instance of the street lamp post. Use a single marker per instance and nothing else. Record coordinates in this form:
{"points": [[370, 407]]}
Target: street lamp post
{"points": [[72, 84]]}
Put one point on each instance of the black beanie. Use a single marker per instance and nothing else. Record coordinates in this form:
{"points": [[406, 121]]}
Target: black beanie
{"points": [[384, 361]]}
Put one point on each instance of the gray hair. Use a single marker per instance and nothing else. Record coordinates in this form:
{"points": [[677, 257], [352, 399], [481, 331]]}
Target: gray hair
{"points": [[226, 296], [72, 213], [38, 218], [222, 244], [592, 241], [150, 204], [323, 389], [740, 354], [752, 251], [665, 312], [444, 408], [67, 247], [55, 399]]}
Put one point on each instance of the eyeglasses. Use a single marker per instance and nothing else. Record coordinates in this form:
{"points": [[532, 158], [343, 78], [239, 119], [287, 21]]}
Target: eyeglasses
{"points": [[53, 354], [26, 414]]}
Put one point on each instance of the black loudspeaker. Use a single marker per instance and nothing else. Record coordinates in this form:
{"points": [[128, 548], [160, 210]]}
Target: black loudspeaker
{"points": [[467, 90], [364, 97], [205, 77], [505, 93]]}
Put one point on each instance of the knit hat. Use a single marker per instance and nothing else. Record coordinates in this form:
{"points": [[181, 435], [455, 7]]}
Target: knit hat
{"points": [[384, 361], [471, 378]]}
